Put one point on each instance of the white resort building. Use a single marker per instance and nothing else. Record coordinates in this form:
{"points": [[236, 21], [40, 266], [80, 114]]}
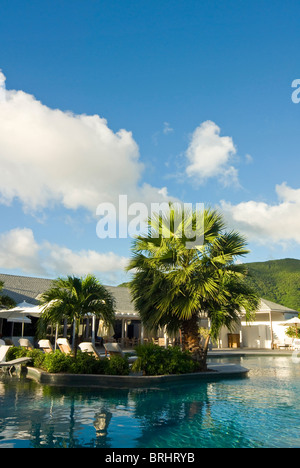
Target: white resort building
{"points": [[265, 332]]}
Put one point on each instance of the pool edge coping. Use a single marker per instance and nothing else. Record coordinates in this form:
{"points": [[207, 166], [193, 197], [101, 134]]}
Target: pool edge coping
{"points": [[216, 371]]}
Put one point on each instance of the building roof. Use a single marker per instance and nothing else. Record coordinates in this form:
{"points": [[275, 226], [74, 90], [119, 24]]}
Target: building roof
{"points": [[267, 306], [25, 288]]}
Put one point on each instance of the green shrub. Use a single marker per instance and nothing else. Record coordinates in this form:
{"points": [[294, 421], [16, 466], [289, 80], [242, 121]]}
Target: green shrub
{"points": [[155, 360], [117, 365], [56, 362], [15, 353], [37, 356], [85, 363], [292, 333]]}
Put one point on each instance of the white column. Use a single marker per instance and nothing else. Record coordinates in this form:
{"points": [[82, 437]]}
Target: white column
{"points": [[74, 333], [94, 329], [166, 338], [87, 328], [56, 336], [271, 328], [142, 333]]}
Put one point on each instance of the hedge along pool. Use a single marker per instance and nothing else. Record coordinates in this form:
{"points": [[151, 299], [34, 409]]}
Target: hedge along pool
{"points": [[262, 410]]}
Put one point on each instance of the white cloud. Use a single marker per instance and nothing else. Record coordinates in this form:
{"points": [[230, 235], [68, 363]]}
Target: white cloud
{"points": [[248, 159], [64, 260], [268, 223], [48, 156], [167, 128], [20, 251], [2, 86], [209, 155]]}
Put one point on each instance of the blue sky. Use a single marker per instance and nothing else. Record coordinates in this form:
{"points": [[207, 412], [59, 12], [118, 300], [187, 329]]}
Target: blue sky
{"points": [[186, 98]]}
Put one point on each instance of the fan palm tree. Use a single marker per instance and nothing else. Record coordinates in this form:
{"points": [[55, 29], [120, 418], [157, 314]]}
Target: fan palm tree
{"points": [[173, 282], [73, 299]]}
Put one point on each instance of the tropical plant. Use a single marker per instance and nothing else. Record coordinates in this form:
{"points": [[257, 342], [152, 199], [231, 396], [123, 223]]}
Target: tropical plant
{"points": [[292, 332], [5, 301], [173, 281], [155, 360], [83, 363], [73, 299]]}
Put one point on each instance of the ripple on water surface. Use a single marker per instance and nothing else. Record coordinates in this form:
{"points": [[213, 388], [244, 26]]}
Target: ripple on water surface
{"points": [[262, 410]]}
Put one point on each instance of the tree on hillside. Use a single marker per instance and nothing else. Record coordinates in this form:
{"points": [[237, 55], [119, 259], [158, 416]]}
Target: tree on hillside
{"points": [[73, 299], [5, 301], [172, 282]]}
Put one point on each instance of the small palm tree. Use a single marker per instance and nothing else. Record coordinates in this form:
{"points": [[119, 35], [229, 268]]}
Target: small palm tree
{"points": [[174, 283], [5, 301], [73, 299]]}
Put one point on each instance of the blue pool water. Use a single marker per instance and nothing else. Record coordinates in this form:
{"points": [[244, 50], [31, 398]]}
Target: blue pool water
{"points": [[262, 410]]}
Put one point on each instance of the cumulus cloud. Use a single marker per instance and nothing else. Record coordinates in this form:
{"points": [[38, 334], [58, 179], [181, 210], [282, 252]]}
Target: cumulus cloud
{"points": [[2, 86], [268, 223], [63, 259], [20, 251], [210, 155], [48, 156]]}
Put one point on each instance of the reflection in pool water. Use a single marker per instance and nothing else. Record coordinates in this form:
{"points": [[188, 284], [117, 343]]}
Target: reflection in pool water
{"points": [[262, 410]]}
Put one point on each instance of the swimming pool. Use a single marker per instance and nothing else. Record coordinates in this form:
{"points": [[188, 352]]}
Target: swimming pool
{"points": [[262, 410]]}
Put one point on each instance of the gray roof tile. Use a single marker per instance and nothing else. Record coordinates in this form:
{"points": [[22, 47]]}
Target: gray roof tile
{"points": [[25, 288]]}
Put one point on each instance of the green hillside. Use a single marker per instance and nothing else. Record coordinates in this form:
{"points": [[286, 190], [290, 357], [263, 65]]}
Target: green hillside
{"points": [[277, 281]]}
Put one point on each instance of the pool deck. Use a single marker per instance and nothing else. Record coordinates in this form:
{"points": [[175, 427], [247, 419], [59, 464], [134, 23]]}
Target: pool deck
{"points": [[242, 352]]}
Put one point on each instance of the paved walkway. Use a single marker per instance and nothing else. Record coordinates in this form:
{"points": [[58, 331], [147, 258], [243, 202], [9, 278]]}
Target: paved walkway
{"points": [[225, 352]]}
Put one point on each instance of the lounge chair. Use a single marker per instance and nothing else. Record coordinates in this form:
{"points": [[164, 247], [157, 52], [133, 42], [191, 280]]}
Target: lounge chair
{"points": [[296, 344], [115, 349], [10, 364], [46, 346], [286, 344], [289, 342], [161, 342], [88, 347], [64, 345], [24, 343], [3, 352]]}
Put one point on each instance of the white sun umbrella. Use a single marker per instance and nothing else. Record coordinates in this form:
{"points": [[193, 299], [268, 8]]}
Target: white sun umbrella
{"points": [[104, 330], [19, 313], [15, 317], [30, 309], [19, 319], [22, 308], [293, 321]]}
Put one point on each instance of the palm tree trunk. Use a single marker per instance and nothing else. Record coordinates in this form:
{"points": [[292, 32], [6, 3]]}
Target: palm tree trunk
{"points": [[191, 341]]}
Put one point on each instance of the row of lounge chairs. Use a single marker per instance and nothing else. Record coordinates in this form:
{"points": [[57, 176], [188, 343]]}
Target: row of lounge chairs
{"points": [[288, 343], [64, 346], [86, 347]]}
